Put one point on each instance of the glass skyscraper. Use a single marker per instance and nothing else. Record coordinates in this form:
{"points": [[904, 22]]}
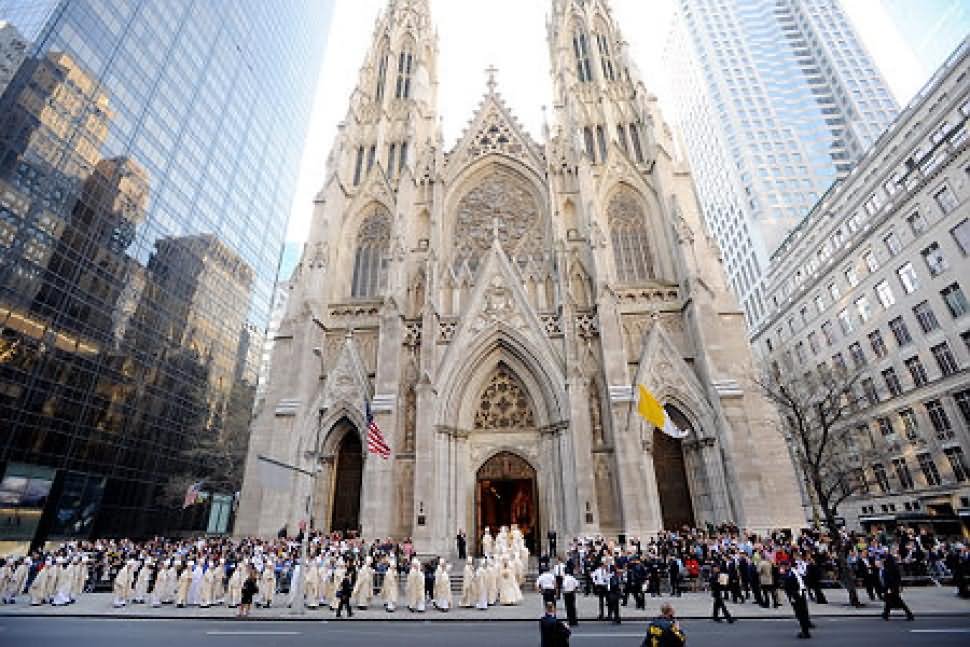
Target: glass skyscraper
{"points": [[775, 99], [149, 151]]}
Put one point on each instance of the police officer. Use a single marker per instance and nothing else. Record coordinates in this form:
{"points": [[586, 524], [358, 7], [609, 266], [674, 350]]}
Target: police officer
{"points": [[719, 589], [664, 631], [798, 596], [569, 586]]}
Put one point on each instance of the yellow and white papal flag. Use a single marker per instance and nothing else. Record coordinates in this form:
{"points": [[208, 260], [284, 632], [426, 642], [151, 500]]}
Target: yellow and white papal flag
{"points": [[653, 412]]}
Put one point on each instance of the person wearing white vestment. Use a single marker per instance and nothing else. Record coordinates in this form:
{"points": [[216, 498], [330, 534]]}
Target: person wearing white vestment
{"points": [[518, 568], [161, 585], [6, 572], [167, 594], [295, 583], [364, 587], [208, 585], [195, 589], [481, 586], [122, 584], [234, 592], [267, 583], [338, 576], [80, 576], [492, 572], [311, 585], [468, 594], [389, 587], [141, 583], [508, 590], [219, 583], [442, 586], [328, 589], [415, 587], [38, 588], [62, 583], [16, 581], [184, 584], [487, 543]]}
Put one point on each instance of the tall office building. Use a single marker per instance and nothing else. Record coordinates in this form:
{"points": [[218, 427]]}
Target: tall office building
{"points": [[776, 99], [148, 159]]}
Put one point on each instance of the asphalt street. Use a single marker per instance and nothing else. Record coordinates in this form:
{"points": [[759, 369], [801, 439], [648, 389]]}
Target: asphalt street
{"points": [[832, 632]]}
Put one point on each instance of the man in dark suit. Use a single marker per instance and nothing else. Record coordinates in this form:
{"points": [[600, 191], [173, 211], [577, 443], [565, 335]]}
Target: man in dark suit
{"points": [[461, 543], [613, 591], [798, 596], [344, 593], [719, 589], [552, 631], [892, 586], [551, 536], [813, 577]]}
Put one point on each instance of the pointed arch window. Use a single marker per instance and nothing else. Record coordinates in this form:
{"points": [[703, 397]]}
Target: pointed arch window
{"points": [[381, 77], [391, 150], [637, 147], [581, 50], [606, 58], [589, 143], [403, 159], [358, 165], [621, 137], [405, 68], [601, 142], [628, 234], [370, 262]]}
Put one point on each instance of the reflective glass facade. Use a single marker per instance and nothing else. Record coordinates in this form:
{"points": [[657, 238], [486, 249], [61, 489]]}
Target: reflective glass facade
{"points": [[149, 151]]}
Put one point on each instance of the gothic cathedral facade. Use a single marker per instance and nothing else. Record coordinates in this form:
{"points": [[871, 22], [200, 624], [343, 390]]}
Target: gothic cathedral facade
{"points": [[497, 304]]}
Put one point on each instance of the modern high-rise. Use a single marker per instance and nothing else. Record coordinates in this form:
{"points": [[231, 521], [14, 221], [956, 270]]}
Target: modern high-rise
{"points": [[148, 160], [775, 99]]}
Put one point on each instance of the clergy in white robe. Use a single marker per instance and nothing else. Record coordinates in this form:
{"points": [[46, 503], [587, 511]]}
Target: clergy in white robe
{"points": [[140, 592], [339, 571], [234, 591], [50, 584], [328, 589], [296, 583], [468, 593], [122, 584], [364, 586], [415, 587], [311, 585], [389, 589], [38, 588], [492, 571], [161, 584], [508, 589], [80, 576], [208, 584], [487, 543], [195, 589], [184, 584], [16, 582], [267, 583], [64, 581], [442, 586], [481, 586]]}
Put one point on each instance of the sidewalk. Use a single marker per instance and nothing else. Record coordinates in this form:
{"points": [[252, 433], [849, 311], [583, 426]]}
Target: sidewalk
{"points": [[923, 601]]}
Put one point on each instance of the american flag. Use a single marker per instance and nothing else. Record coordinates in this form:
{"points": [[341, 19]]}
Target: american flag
{"points": [[192, 494], [375, 439]]}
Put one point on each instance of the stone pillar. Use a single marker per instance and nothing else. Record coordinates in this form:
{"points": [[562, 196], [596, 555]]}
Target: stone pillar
{"points": [[323, 496], [579, 485], [425, 472]]}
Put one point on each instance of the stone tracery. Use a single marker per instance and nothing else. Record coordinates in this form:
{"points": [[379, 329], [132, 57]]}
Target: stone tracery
{"points": [[504, 404]]}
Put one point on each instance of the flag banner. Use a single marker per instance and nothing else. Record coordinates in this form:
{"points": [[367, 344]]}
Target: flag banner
{"points": [[653, 412], [273, 476], [375, 439]]}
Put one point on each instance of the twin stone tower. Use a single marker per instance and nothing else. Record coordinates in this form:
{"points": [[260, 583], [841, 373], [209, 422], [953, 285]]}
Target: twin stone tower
{"points": [[497, 304]]}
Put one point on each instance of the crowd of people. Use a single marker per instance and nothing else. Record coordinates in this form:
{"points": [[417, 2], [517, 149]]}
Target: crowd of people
{"points": [[347, 573]]}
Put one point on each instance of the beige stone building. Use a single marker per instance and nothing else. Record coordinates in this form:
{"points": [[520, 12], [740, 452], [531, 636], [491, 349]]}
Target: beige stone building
{"points": [[875, 279], [496, 303]]}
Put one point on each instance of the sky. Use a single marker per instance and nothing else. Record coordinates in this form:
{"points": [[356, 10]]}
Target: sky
{"points": [[511, 35]]}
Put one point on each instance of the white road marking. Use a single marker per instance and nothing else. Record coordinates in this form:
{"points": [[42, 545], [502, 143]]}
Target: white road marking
{"points": [[958, 630], [639, 635], [252, 633]]}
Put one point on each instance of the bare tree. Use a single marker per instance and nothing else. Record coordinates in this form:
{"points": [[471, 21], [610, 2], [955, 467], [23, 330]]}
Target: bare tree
{"points": [[816, 410]]}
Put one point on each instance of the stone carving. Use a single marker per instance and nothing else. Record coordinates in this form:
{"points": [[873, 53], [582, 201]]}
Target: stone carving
{"points": [[320, 253], [504, 404], [496, 136], [595, 414], [446, 330], [498, 306], [410, 419], [506, 465], [412, 333], [550, 323], [500, 206], [586, 324]]}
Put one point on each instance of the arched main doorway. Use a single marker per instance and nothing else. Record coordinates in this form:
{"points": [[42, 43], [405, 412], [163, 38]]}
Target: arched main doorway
{"points": [[506, 493], [347, 480], [668, 463]]}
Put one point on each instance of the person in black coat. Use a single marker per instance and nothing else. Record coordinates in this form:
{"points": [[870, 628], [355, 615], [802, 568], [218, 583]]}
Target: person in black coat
{"points": [[552, 631], [892, 586], [343, 593], [461, 543], [249, 590], [614, 586], [665, 630], [719, 588], [798, 596], [813, 579]]}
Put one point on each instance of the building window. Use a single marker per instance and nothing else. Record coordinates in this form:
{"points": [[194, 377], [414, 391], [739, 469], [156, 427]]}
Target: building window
{"points": [[858, 356], [933, 257], [916, 370], [589, 143], [819, 303], [833, 292], [955, 300], [358, 165], [941, 422], [880, 478], [877, 343], [381, 78], [885, 426], [845, 322], [391, 152], [800, 352], [862, 307], [371, 156], [944, 358], [635, 140], [813, 342], [828, 333], [891, 240], [402, 157], [885, 294], [945, 199], [961, 234], [838, 362], [601, 140], [900, 331], [370, 263], [962, 399], [958, 463], [628, 233], [606, 59], [903, 473], [925, 316], [405, 65], [852, 276], [928, 467], [916, 222], [581, 50], [621, 136], [869, 389], [892, 381], [907, 277], [910, 424], [870, 260]]}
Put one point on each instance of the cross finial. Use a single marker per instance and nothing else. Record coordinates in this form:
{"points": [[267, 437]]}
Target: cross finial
{"points": [[491, 83], [495, 228]]}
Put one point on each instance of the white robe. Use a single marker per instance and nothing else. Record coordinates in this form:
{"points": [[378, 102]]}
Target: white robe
{"points": [[38, 588], [389, 591], [481, 588], [122, 586], [492, 576], [415, 589], [62, 587], [442, 588], [363, 588], [141, 585], [468, 592], [508, 589], [195, 588], [15, 583], [161, 584], [295, 585]]}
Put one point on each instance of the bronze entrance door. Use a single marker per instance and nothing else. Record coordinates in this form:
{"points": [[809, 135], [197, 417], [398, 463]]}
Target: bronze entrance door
{"points": [[668, 465], [347, 484], [506, 494]]}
